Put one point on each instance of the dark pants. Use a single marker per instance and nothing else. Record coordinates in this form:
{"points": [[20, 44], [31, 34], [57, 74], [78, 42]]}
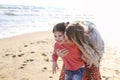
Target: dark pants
{"points": [[74, 75]]}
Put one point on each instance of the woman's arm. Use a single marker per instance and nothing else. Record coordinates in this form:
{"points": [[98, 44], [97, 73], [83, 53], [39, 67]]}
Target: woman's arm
{"points": [[62, 52]]}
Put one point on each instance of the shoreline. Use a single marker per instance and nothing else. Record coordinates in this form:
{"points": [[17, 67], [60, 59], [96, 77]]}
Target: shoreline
{"points": [[113, 44], [27, 33]]}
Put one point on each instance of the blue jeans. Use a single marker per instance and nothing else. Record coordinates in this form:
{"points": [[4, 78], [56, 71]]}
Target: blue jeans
{"points": [[74, 75]]}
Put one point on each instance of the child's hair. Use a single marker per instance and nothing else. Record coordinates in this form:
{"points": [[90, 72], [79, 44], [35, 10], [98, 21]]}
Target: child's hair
{"points": [[60, 27]]}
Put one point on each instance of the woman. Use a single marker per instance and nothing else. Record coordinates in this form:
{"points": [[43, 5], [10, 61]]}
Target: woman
{"points": [[85, 35]]}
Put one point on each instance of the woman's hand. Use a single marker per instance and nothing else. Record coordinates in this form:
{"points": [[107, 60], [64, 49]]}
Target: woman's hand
{"points": [[84, 58], [62, 52], [88, 63]]}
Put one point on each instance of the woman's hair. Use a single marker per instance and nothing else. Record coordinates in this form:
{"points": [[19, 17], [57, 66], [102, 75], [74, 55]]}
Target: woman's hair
{"points": [[84, 35], [60, 27]]}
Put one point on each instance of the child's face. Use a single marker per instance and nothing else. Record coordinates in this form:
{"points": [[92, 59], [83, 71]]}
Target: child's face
{"points": [[59, 37]]}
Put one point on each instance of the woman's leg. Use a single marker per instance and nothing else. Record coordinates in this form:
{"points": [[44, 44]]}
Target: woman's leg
{"points": [[92, 73], [85, 74]]}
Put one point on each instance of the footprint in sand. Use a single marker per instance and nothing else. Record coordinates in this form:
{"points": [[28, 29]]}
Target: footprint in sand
{"points": [[46, 59], [20, 50], [43, 54], [50, 77], [2, 77], [25, 63], [28, 60], [117, 72], [13, 56], [32, 52], [38, 42], [25, 45], [43, 71], [24, 79], [106, 78], [20, 55], [31, 43], [45, 68], [22, 67], [31, 60], [8, 54]]}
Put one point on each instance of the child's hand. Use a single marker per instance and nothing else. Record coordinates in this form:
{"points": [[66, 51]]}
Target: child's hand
{"points": [[62, 52], [54, 67]]}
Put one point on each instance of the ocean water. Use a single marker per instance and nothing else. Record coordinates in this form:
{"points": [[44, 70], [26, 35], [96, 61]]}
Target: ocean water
{"points": [[19, 19]]}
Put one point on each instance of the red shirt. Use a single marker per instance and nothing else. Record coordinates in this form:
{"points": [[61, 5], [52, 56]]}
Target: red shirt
{"points": [[73, 59]]}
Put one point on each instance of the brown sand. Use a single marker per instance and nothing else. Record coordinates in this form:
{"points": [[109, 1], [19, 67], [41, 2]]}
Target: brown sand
{"points": [[28, 57]]}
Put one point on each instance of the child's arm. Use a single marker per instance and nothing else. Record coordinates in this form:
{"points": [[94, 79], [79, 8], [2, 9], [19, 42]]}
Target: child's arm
{"points": [[54, 57], [54, 67], [54, 60]]}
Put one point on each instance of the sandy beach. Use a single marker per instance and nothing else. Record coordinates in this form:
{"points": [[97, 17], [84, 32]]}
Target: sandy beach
{"points": [[28, 57]]}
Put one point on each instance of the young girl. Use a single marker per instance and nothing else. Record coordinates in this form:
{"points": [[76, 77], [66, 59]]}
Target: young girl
{"points": [[73, 64]]}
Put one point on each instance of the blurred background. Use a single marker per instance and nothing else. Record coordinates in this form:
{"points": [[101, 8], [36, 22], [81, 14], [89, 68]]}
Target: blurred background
{"points": [[26, 16]]}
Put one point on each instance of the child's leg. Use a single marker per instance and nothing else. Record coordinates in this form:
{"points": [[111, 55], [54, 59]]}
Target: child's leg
{"points": [[78, 74], [62, 74], [68, 75]]}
